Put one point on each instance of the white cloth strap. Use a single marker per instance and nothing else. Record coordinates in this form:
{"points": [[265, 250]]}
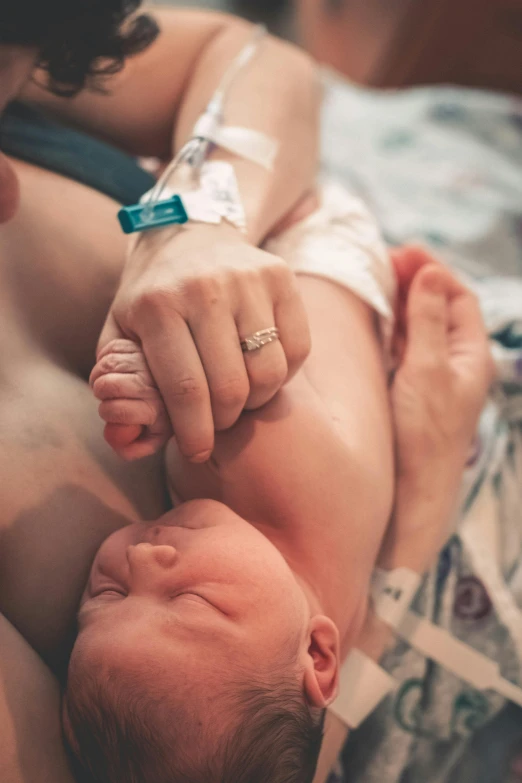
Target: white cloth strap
{"points": [[244, 142], [362, 686], [392, 593], [462, 660]]}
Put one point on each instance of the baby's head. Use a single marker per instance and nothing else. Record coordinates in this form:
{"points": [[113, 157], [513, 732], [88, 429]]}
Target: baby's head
{"points": [[199, 657]]}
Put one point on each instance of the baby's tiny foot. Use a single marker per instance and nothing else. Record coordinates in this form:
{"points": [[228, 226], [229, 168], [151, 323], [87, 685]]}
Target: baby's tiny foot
{"points": [[137, 423]]}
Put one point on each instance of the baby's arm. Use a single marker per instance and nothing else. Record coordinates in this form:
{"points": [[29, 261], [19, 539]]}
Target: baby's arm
{"points": [[438, 392], [314, 467]]}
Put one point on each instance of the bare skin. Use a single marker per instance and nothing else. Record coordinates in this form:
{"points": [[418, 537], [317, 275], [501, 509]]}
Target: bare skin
{"points": [[58, 474], [169, 283], [87, 493], [63, 489], [51, 272]]}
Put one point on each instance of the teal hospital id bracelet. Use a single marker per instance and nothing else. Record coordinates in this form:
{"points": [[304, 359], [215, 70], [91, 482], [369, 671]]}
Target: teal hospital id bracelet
{"points": [[142, 217]]}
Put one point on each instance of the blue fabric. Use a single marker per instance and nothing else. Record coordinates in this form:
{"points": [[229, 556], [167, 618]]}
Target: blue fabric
{"points": [[28, 135]]}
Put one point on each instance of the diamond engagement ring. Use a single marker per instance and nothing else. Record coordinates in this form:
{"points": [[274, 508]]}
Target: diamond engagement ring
{"points": [[256, 341]]}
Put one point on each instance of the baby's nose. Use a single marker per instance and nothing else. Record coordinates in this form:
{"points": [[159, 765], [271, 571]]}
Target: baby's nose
{"points": [[145, 556]]}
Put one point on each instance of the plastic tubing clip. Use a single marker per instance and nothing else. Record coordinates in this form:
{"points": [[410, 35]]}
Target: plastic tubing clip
{"points": [[143, 217]]}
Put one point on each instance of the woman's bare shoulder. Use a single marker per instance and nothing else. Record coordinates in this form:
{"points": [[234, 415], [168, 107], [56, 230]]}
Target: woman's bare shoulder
{"points": [[31, 747]]}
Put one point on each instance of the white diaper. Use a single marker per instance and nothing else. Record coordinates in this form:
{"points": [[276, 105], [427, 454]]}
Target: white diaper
{"points": [[342, 242]]}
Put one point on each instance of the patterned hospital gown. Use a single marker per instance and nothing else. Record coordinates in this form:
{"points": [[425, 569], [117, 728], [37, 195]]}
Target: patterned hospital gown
{"points": [[443, 167]]}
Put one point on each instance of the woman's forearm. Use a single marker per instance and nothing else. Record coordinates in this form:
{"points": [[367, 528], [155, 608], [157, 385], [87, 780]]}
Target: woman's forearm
{"points": [[277, 94], [413, 540], [150, 108]]}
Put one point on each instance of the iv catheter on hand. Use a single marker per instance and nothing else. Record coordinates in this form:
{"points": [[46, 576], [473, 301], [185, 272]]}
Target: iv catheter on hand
{"points": [[208, 131]]}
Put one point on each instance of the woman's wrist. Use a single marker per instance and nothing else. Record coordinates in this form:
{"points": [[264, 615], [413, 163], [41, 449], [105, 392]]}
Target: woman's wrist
{"points": [[420, 525]]}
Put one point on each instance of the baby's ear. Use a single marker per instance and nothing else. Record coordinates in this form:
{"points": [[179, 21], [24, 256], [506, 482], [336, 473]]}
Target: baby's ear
{"points": [[321, 676]]}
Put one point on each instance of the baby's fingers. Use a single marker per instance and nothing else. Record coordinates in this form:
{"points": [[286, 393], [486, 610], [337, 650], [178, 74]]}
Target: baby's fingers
{"points": [[121, 436], [137, 423], [131, 442], [135, 428]]}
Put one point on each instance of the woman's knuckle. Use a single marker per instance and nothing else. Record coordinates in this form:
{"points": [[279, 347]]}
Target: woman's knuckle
{"points": [[270, 377], [154, 301], [187, 390], [279, 275], [230, 392], [430, 365], [299, 348], [205, 291]]}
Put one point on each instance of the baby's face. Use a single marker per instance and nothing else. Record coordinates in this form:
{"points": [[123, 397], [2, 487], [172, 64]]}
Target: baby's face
{"points": [[191, 593]]}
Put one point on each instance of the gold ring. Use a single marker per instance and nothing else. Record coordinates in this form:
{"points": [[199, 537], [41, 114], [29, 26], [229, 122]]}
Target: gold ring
{"points": [[256, 341]]}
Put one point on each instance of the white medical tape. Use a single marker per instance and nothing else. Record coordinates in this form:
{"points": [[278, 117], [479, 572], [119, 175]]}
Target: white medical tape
{"points": [[362, 686], [244, 142], [455, 656], [392, 593], [218, 181], [216, 199]]}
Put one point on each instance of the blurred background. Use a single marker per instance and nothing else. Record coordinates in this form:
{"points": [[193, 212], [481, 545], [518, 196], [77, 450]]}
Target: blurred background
{"points": [[394, 43]]}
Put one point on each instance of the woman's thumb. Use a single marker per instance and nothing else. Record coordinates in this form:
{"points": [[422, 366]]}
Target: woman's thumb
{"points": [[427, 315]]}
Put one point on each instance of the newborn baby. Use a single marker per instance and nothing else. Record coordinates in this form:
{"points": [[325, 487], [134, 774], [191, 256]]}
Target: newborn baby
{"points": [[210, 640]]}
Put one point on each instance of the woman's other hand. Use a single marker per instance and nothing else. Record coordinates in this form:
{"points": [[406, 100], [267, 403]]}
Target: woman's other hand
{"points": [[438, 392]]}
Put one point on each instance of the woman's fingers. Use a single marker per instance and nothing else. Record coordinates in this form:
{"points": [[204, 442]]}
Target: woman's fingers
{"points": [[445, 329], [468, 340], [294, 332], [266, 366], [466, 322], [427, 318], [408, 260], [176, 367], [216, 336]]}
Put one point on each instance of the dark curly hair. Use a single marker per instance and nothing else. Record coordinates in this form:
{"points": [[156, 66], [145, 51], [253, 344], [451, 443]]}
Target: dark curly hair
{"points": [[79, 41]]}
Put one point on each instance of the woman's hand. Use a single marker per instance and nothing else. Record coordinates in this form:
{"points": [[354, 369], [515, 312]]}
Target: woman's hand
{"points": [[438, 392], [188, 298]]}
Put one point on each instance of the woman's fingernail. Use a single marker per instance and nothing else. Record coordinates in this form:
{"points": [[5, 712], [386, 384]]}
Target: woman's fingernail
{"points": [[434, 284], [202, 456]]}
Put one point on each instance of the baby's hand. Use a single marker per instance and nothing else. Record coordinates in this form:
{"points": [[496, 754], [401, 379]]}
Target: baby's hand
{"points": [[137, 423]]}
